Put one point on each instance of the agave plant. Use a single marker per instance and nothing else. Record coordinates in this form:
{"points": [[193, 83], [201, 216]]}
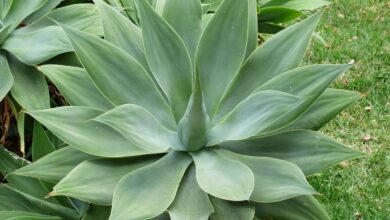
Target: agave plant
{"points": [[28, 36], [191, 121]]}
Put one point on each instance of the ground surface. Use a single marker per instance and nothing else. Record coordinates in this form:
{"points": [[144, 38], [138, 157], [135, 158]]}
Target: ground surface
{"points": [[358, 30]]}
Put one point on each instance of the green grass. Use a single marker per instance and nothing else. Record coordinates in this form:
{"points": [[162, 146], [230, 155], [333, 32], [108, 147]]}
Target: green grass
{"points": [[358, 30]]}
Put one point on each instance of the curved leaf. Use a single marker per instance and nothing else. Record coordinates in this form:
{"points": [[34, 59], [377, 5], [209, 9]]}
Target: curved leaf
{"points": [[55, 166], [76, 86], [189, 26], [18, 10], [148, 191], [302, 207], [222, 177], [42, 11], [75, 127], [83, 17], [277, 14], [139, 126], [6, 76], [85, 182], [41, 145], [37, 46], [11, 199], [119, 77], [311, 151], [282, 52], [220, 53], [327, 106], [30, 217], [28, 80], [275, 180], [191, 202], [227, 210], [11, 214], [192, 129], [252, 28], [255, 114], [162, 43], [300, 5], [121, 32]]}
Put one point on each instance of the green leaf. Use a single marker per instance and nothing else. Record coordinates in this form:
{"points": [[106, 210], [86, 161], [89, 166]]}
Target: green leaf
{"points": [[121, 32], [45, 9], [32, 217], [83, 17], [299, 5], [252, 28], [76, 86], [194, 125], [269, 28], [162, 43], [191, 202], [127, 82], [275, 180], [10, 162], [140, 127], [96, 212], [54, 166], [189, 26], [149, 191], [220, 53], [283, 52], [311, 151], [85, 182], [5, 75], [37, 46], [328, 105], [222, 177], [302, 207], [41, 145], [11, 214], [4, 8], [11, 199], [4, 31], [227, 210], [29, 88], [255, 114], [18, 10], [68, 123], [277, 14]]}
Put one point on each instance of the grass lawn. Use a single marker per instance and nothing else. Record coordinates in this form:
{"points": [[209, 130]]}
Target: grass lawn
{"points": [[358, 30]]}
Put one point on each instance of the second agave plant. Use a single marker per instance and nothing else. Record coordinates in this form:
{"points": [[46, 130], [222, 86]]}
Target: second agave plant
{"points": [[185, 120]]}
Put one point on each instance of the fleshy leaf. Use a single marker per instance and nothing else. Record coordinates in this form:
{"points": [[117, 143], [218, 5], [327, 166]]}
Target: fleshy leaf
{"points": [[76, 86], [42, 11], [277, 14], [282, 52], [119, 77], [18, 10], [253, 115], [220, 53], [41, 145], [328, 106], [162, 43], [53, 167], [222, 177], [194, 125], [134, 202], [85, 182], [11, 199], [189, 26], [191, 202], [311, 151], [228, 210], [252, 28], [140, 127], [121, 32], [275, 180], [300, 5], [302, 207], [28, 80], [74, 126], [6, 76]]}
